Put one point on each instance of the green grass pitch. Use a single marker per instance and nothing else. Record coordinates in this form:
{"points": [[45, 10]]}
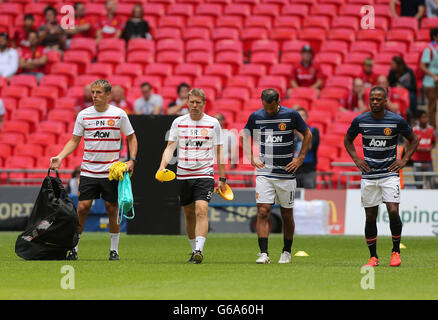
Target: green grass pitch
{"points": [[154, 267]]}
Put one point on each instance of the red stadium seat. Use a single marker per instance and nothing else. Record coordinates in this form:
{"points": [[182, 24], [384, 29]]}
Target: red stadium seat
{"points": [[28, 150], [223, 33], [276, 82], [160, 69], [356, 58], [175, 81], [258, 22], [224, 71], [340, 47], [299, 10], [232, 58], [112, 57], [212, 82], [155, 81], [264, 58], [58, 81], [324, 10], [342, 34], [192, 70], [131, 70], [328, 151], [345, 117], [247, 82], [377, 36], [10, 105], [395, 47], [11, 138], [228, 45], [335, 93], [121, 80], [314, 36], [177, 22], [249, 35], [65, 103], [31, 116], [291, 22], [352, 10], [405, 23], [167, 33], [70, 70], [196, 33], [364, 46], [340, 82], [235, 9], [144, 58], [35, 103], [49, 126], [231, 22], [199, 45], [332, 58], [5, 151], [42, 138], [111, 44], [349, 23], [309, 93], [319, 22], [351, 70], [254, 70], [282, 34], [64, 116], [169, 57], [140, 44], [228, 104], [47, 93], [85, 79], [200, 57], [16, 126], [79, 57], [25, 80], [20, 162], [16, 92], [209, 9], [86, 44], [429, 23], [293, 102]]}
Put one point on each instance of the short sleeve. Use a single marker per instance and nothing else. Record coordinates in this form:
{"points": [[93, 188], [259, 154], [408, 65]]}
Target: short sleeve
{"points": [[173, 133], [79, 129], [353, 130], [125, 125], [300, 124], [250, 125], [218, 134], [426, 56], [404, 128]]}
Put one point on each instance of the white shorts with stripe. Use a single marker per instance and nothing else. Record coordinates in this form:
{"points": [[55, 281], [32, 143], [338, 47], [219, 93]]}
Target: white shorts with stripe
{"points": [[377, 191], [276, 191]]}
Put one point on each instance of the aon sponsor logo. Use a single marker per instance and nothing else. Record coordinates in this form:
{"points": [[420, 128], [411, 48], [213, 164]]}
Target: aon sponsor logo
{"points": [[191, 143], [101, 134], [273, 139], [377, 143]]}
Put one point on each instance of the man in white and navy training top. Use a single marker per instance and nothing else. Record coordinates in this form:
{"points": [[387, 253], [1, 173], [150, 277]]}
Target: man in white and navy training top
{"points": [[274, 126], [380, 129], [198, 140], [101, 125]]}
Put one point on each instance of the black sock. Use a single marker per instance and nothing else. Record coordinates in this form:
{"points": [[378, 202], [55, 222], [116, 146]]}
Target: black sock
{"points": [[263, 245], [287, 245], [371, 237], [395, 225]]}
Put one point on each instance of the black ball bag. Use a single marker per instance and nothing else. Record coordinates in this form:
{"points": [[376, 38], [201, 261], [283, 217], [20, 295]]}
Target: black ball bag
{"points": [[52, 227]]}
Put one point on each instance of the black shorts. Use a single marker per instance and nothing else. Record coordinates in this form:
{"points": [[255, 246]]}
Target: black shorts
{"points": [[191, 190], [93, 188]]}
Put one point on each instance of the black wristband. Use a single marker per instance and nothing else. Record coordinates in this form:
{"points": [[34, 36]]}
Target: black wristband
{"points": [[223, 179], [133, 159]]}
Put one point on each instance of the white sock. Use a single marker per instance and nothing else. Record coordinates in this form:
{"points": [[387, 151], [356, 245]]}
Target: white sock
{"points": [[115, 241], [193, 244], [77, 245], [200, 241]]}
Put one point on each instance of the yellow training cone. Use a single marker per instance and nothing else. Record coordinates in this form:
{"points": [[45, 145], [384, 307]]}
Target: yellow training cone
{"points": [[402, 246], [301, 254]]}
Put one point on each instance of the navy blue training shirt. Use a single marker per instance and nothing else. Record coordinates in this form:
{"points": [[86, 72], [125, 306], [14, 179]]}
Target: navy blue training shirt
{"points": [[276, 138], [379, 139]]}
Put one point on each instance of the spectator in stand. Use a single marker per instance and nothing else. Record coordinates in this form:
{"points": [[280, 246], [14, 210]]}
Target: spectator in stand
{"points": [[429, 65], [111, 25], [179, 106], [422, 158], [382, 81], [136, 26], [86, 100], [306, 173], [83, 23], [149, 103], [8, 57], [21, 34], [52, 36], [118, 99], [431, 8], [230, 139], [400, 75], [33, 59], [73, 184], [356, 98], [306, 73], [2, 113], [408, 8], [368, 76]]}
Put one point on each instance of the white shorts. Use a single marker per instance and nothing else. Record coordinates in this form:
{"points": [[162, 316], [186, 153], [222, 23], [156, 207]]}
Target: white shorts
{"points": [[280, 191], [378, 191]]}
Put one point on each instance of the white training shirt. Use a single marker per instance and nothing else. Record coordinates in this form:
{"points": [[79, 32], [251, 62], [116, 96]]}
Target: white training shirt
{"points": [[102, 137], [196, 142]]}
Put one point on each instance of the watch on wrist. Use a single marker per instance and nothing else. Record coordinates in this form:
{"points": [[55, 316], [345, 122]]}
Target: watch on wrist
{"points": [[133, 159], [223, 179]]}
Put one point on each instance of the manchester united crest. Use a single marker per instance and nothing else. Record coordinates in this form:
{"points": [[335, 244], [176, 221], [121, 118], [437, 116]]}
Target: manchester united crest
{"points": [[282, 126], [387, 131]]}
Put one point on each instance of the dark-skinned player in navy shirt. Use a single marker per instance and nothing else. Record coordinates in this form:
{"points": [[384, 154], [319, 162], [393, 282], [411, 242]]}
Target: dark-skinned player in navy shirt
{"points": [[380, 129]]}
